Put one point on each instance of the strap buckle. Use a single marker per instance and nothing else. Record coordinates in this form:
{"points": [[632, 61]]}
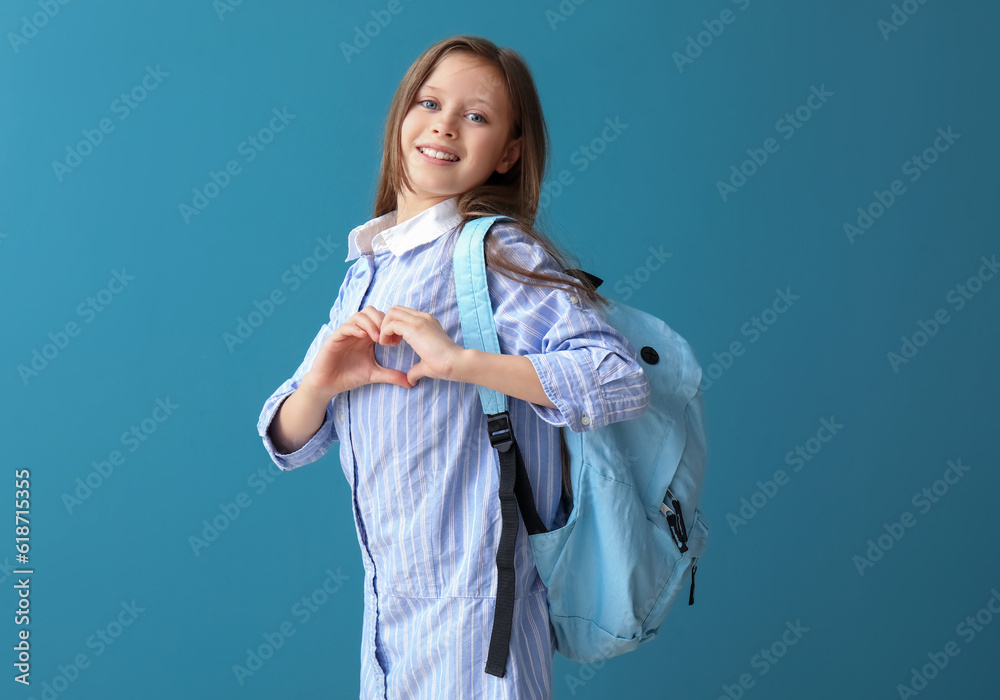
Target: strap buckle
{"points": [[498, 426]]}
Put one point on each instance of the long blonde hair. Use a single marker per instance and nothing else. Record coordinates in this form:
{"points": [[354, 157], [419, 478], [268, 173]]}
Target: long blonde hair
{"points": [[514, 193]]}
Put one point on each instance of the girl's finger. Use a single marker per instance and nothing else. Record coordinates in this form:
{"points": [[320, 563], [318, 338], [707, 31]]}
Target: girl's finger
{"points": [[388, 330], [369, 326], [370, 312]]}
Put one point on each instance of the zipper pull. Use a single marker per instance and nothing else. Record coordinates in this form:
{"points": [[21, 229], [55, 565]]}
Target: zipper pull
{"points": [[680, 518], [676, 521], [672, 522], [693, 570], [674, 530]]}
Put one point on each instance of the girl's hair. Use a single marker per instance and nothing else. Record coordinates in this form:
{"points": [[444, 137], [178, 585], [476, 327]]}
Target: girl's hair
{"points": [[514, 193]]}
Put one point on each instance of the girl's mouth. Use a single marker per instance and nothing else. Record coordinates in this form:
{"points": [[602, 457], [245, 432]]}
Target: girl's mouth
{"points": [[435, 160]]}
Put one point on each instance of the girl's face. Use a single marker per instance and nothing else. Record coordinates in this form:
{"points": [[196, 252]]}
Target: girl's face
{"points": [[461, 109]]}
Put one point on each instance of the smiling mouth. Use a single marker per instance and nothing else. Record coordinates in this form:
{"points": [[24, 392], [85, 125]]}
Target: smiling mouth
{"points": [[432, 154]]}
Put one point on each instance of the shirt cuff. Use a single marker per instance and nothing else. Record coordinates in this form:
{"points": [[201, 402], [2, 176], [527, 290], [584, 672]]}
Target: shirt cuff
{"points": [[317, 446], [622, 389]]}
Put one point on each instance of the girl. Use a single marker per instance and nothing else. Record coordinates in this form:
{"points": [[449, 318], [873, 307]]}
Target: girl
{"points": [[389, 378]]}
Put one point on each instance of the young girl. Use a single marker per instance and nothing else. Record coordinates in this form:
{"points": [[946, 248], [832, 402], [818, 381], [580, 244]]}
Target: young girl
{"points": [[389, 378]]}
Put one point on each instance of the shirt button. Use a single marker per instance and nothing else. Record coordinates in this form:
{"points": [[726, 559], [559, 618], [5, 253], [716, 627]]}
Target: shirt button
{"points": [[573, 299], [341, 416], [585, 420]]}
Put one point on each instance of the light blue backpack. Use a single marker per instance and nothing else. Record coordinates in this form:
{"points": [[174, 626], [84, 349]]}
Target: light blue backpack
{"points": [[634, 530]]}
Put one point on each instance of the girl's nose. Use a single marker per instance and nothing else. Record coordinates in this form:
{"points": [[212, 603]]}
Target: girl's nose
{"points": [[445, 124]]}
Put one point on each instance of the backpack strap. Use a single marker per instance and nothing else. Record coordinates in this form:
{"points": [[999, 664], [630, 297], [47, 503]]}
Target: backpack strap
{"points": [[474, 305], [479, 333]]}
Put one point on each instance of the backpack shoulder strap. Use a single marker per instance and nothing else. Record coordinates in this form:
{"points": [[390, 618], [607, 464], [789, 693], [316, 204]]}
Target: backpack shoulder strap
{"points": [[474, 307], [514, 489]]}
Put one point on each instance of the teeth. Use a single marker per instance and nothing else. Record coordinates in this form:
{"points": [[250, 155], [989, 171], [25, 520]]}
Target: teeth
{"points": [[438, 154]]}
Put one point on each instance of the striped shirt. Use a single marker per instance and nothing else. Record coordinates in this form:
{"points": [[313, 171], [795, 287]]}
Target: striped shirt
{"points": [[422, 471]]}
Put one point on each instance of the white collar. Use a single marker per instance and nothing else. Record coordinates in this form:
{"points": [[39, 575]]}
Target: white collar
{"points": [[382, 232]]}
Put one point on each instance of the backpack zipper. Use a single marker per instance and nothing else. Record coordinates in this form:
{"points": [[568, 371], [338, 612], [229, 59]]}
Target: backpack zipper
{"points": [[693, 570], [679, 532]]}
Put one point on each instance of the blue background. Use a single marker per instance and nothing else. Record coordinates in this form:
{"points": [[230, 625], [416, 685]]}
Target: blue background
{"points": [[655, 185]]}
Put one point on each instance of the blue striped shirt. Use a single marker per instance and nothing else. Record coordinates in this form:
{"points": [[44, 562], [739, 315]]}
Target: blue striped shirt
{"points": [[422, 471]]}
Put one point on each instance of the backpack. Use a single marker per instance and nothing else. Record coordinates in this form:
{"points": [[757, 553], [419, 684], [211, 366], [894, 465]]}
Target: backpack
{"points": [[634, 531]]}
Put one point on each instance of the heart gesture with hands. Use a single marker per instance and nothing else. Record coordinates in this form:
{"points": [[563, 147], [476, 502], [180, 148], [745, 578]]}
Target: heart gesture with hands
{"points": [[346, 359]]}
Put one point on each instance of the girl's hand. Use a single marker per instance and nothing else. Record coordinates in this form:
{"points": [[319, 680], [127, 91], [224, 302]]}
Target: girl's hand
{"points": [[437, 351], [346, 359]]}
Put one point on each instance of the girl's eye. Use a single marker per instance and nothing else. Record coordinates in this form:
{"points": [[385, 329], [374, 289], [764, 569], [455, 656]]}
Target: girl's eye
{"points": [[481, 120]]}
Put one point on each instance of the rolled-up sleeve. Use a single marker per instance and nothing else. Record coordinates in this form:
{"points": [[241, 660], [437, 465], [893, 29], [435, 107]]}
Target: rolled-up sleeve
{"points": [[319, 443], [587, 368]]}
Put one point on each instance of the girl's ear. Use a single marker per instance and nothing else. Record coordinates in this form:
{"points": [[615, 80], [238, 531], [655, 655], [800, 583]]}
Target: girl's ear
{"points": [[510, 156]]}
